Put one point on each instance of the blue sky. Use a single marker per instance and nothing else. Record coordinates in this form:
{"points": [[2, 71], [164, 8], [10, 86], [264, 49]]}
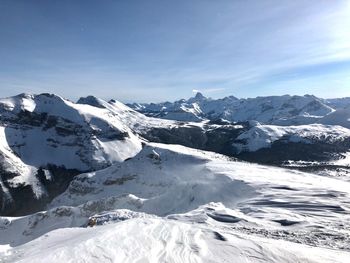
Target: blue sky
{"points": [[151, 50]]}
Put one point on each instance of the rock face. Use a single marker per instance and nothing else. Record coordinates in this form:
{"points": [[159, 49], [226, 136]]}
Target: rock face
{"points": [[45, 140], [266, 144]]}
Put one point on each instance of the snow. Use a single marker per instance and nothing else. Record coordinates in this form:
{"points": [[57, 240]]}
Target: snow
{"points": [[207, 209], [19, 102], [43, 131], [338, 117], [282, 110], [170, 203], [13, 164], [35, 149], [161, 240], [345, 161], [151, 177], [338, 103], [262, 136], [266, 195]]}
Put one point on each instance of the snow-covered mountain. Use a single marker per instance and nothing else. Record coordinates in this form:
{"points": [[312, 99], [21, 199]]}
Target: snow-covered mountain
{"points": [[115, 185], [338, 103], [281, 110], [208, 209], [45, 140], [248, 140], [338, 117]]}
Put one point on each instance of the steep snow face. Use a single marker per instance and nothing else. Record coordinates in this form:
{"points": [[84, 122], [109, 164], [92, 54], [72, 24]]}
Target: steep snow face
{"points": [[10, 161], [129, 117], [263, 136], [48, 132], [56, 131], [282, 110]]}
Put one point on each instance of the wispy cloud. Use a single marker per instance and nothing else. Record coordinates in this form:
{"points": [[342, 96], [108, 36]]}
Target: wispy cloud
{"points": [[163, 51], [208, 91]]}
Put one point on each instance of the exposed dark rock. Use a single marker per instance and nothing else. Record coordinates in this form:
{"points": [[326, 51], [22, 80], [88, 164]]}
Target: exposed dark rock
{"points": [[119, 181], [23, 199]]}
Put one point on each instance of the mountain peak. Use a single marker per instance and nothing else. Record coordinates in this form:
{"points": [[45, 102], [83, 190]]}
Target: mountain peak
{"points": [[199, 96], [92, 101]]}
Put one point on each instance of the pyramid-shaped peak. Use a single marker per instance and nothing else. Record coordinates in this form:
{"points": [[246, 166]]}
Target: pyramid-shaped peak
{"points": [[199, 96]]}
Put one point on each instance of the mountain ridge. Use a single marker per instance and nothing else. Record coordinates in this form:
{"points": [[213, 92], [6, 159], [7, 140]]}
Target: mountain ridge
{"points": [[46, 140], [281, 110]]}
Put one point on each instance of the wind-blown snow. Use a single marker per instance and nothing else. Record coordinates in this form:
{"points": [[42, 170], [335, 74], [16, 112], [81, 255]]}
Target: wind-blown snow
{"points": [[261, 214], [157, 185], [157, 181]]}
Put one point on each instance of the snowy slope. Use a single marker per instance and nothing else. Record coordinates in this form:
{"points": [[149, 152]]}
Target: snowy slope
{"points": [[263, 136], [62, 120], [339, 117], [338, 103], [129, 117], [161, 240], [260, 214], [48, 134], [249, 140], [168, 202], [153, 182]]}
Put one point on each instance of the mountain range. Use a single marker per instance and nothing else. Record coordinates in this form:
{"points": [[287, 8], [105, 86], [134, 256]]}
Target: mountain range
{"points": [[278, 110], [194, 180]]}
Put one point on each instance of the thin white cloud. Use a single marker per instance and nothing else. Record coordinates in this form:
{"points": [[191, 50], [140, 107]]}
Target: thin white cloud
{"points": [[218, 47]]}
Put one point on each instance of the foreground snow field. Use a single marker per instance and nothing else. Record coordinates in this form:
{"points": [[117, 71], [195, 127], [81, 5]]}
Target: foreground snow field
{"points": [[163, 240], [186, 205]]}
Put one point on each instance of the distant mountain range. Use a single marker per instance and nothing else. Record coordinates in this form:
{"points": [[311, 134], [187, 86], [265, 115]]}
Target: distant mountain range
{"points": [[279, 110]]}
